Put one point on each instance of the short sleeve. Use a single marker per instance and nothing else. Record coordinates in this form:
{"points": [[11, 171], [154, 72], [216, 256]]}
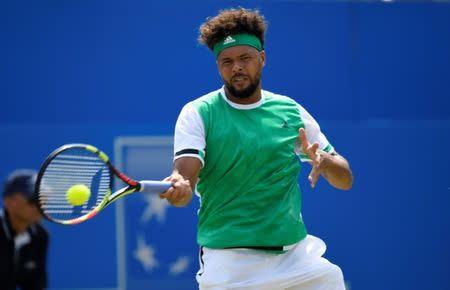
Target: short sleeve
{"points": [[313, 133], [189, 139]]}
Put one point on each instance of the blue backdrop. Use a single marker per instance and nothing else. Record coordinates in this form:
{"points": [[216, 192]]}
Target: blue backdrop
{"points": [[375, 75]]}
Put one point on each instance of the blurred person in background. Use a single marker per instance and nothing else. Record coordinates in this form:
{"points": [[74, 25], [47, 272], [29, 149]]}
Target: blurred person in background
{"points": [[23, 240]]}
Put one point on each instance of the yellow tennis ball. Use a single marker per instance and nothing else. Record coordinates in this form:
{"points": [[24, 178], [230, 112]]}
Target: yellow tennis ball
{"points": [[78, 194]]}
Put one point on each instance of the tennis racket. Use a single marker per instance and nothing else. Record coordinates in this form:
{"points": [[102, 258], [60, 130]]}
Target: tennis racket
{"points": [[86, 166]]}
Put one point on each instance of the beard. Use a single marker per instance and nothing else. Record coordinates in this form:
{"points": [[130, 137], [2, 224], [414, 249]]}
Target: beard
{"points": [[244, 93]]}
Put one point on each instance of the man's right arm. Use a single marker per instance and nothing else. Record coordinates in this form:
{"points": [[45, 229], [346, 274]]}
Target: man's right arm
{"points": [[189, 152], [184, 178]]}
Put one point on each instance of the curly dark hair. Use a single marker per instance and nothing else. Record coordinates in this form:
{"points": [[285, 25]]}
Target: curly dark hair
{"points": [[230, 22]]}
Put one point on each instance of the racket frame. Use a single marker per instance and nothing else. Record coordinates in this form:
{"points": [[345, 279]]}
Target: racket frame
{"points": [[109, 197]]}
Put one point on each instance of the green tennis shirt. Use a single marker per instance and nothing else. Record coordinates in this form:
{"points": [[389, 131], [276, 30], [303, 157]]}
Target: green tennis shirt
{"points": [[248, 185]]}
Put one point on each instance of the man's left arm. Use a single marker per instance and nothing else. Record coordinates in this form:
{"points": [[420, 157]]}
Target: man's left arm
{"points": [[332, 166]]}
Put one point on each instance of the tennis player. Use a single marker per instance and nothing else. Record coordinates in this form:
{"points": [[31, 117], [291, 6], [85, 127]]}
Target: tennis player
{"points": [[238, 148]]}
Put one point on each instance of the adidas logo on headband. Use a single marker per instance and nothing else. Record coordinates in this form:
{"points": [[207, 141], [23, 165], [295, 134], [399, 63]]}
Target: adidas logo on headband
{"points": [[229, 39], [237, 39]]}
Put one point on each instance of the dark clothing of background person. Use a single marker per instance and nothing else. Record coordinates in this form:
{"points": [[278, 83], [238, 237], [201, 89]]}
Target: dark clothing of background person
{"points": [[26, 265], [23, 240]]}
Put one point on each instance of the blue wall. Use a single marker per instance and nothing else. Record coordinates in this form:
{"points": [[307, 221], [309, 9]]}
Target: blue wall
{"points": [[375, 75]]}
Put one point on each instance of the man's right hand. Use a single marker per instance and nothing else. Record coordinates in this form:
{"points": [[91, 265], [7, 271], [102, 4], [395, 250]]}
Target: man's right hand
{"points": [[180, 194]]}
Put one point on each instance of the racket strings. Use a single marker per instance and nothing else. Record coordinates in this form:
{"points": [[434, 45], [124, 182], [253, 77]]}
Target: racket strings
{"points": [[71, 167]]}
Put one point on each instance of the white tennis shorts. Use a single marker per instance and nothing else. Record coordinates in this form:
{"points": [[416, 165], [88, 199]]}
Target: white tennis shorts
{"points": [[300, 268]]}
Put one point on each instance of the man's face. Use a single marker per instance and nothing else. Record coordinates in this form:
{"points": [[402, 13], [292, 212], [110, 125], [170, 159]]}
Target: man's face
{"points": [[240, 68], [22, 209]]}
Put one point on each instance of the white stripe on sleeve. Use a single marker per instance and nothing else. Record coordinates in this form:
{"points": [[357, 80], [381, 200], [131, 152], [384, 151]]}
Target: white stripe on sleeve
{"points": [[189, 133], [313, 134]]}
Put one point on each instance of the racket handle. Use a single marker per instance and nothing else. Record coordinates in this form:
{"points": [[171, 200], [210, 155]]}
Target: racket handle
{"points": [[150, 186]]}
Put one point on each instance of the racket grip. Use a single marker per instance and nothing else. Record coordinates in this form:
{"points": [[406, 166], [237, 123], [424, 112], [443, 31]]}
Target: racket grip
{"points": [[151, 186]]}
